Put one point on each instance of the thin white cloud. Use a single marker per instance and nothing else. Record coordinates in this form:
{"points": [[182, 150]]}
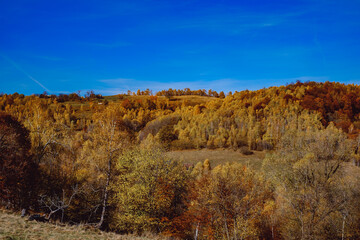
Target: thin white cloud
{"points": [[121, 85], [353, 81], [62, 92], [26, 74], [116, 80], [125, 83], [106, 92]]}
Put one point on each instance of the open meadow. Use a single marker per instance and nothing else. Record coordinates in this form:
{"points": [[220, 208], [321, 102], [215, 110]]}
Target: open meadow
{"points": [[219, 156]]}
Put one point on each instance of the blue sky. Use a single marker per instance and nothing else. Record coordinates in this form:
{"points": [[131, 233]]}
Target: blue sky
{"points": [[112, 46]]}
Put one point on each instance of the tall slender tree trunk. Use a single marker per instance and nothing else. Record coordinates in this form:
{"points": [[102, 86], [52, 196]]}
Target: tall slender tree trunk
{"points": [[106, 196], [235, 234], [197, 231], [226, 228], [343, 228]]}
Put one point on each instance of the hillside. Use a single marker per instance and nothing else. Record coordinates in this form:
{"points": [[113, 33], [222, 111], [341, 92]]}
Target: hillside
{"points": [[256, 119], [276, 163], [12, 227]]}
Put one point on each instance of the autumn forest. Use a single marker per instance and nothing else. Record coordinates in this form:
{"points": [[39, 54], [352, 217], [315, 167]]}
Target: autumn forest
{"points": [[103, 161]]}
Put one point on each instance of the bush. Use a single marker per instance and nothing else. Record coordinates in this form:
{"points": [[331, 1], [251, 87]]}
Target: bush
{"points": [[245, 150], [181, 145], [157, 124]]}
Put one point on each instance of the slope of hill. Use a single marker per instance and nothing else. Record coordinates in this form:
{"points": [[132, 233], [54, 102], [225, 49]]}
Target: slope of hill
{"points": [[113, 161], [12, 226]]}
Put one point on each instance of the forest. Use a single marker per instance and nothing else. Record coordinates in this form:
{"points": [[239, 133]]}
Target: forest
{"points": [[102, 161]]}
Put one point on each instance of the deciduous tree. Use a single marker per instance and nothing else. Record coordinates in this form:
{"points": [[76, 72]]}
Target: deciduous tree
{"points": [[18, 171]]}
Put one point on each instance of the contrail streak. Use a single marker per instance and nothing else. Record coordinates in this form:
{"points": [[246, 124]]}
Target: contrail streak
{"points": [[26, 74]]}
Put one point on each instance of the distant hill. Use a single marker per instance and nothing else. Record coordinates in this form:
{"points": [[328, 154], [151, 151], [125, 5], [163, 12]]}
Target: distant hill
{"points": [[206, 119]]}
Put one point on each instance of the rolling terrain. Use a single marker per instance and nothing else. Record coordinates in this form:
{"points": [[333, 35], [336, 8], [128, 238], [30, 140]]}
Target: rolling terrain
{"points": [[267, 164]]}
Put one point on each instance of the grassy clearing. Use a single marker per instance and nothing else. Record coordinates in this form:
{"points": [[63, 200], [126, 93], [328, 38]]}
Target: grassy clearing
{"points": [[219, 156], [12, 226], [193, 99]]}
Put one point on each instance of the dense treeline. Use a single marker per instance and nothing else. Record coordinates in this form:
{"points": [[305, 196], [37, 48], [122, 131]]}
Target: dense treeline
{"points": [[178, 92], [187, 92], [100, 161]]}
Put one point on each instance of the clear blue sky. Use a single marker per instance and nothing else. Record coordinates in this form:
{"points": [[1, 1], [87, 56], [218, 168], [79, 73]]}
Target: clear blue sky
{"points": [[112, 46]]}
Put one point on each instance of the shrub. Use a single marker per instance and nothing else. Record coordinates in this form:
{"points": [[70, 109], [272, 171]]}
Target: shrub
{"points": [[245, 150]]}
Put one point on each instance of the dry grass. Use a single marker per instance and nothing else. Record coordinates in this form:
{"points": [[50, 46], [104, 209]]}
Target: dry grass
{"points": [[193, 99], [219, 156], [12, 226]]}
